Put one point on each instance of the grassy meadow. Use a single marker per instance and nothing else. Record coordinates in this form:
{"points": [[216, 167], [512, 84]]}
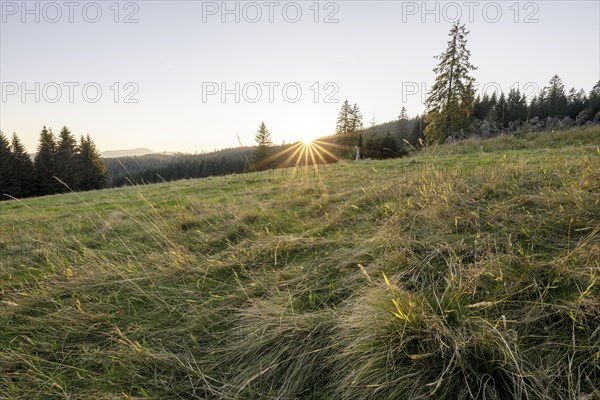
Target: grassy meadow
{"points": [[465, 271]]}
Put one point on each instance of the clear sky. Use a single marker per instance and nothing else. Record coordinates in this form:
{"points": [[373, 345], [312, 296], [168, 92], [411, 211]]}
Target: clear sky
{"points": [[162, 66]]}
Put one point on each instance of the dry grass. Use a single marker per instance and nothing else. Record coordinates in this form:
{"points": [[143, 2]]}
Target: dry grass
{"points": [[463, 272]]}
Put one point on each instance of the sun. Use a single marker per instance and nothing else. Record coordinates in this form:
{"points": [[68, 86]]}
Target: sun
{"points": [[307, 139], [306, 151]]}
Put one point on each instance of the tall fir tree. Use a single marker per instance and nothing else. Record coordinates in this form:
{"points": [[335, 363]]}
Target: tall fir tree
{"points": [[343, 124], [91, 172], [500, 111], [417, 134], [21, 169], [557, 99], [516, 107], [593, 104], [403, 115], [576, 101], [450, 102], [263, 149], [533, 109], [477, 106], [356, 119], [389, 146], [483, 105], [66, 153], [543, 109], [45, 164], [403, 132], [350, 119], [6, 178]]}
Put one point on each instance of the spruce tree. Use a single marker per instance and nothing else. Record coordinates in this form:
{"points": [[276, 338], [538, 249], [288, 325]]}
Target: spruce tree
{"points": [[263, 148], [593, 103], [372, 146], [533, 110], [477, 107], [403, 115], [45, 164], [557, 100], [66, 158], [450, 102], [389, 146], [22, 169], [403, 124], [417, 134], [576, 101], [500, 111], [482, 106], [343, 120], [516, 107], [349, 120], [356, 119], [91, 172], [6, 178], [543, 108]]}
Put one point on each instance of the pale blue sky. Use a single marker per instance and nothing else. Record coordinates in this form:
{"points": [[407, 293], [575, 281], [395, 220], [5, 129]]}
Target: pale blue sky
{"points": [[376, 49]]}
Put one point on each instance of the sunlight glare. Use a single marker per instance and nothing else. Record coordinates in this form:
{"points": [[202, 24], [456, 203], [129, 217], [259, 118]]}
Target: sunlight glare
{"points": [[308, 139]]}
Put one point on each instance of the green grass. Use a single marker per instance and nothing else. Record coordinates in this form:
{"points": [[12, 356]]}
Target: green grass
{"points": [[464, 271]]}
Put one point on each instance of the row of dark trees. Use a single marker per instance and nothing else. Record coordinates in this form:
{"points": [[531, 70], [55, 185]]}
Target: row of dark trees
{"points": [[59, 165], [383, 146], [552, 101], [165, 168]]}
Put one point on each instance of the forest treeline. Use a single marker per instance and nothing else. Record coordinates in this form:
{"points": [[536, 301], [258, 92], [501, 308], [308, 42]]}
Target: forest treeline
{"points": [[59, 165]]}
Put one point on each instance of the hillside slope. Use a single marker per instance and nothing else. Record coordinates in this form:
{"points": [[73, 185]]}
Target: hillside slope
{"points": [[465, 271]]}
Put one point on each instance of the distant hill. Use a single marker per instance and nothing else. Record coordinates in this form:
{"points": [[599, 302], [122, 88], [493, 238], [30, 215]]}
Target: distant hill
{"points": [[126, 153]]}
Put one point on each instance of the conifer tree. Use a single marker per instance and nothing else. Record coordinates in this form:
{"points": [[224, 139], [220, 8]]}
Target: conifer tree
{"points": [[417, 134], [500, 111], [557, 100], [350, 119], [403, 115], [6, 180], [22, 169], [403, 124], [576, 101], [450, 102], [389, 146], [543, 104], [91, 172], [66, 158], [343, 120], [355, 119], [516, 106], [477, 106], [372, 146], [593, 103], [533, 110], [45, 164], [263, 147], [482, 106]]}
